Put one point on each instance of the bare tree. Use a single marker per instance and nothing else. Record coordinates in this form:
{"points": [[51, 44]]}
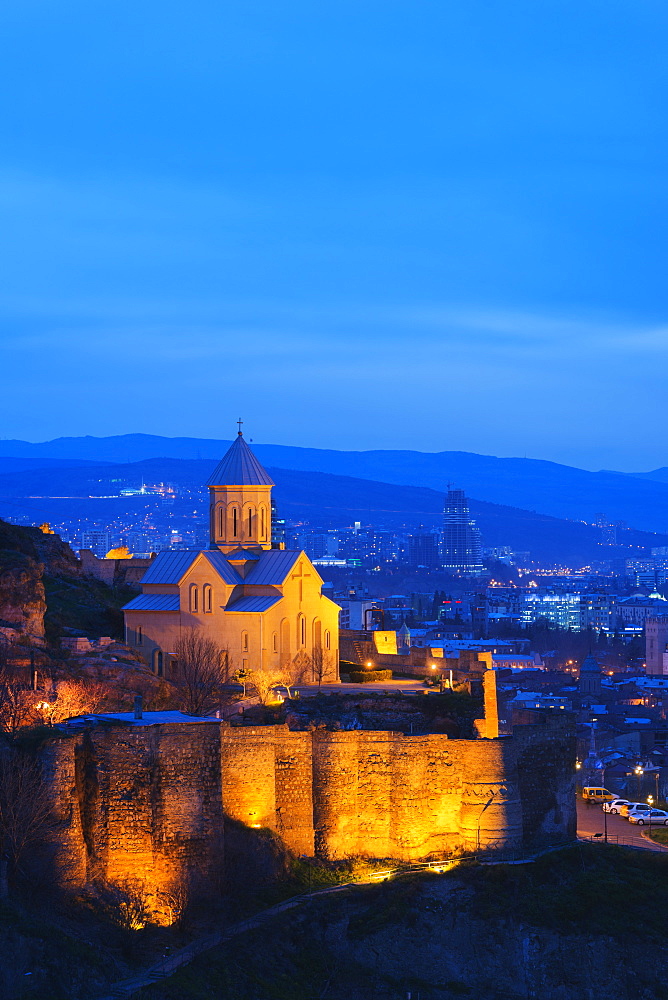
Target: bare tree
{"points": [[203, 666], [67, 699], [25, 809], [17, 702], [319, 661]]}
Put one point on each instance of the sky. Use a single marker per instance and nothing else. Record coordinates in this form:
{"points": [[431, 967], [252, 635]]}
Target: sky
{"points": [[396, 224]]}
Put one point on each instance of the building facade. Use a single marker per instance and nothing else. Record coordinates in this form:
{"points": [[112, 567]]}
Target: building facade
{"points": [[263, 605], [462, 547]]}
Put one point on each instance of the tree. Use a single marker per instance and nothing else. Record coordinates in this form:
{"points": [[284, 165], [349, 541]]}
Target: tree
{"points": [[25, 809], [265, 682], [17, 702], [203, 666], [319, 660], [68, 699]]}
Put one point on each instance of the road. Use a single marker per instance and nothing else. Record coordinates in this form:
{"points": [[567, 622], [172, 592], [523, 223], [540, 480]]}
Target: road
{"points": [[591, 820]]}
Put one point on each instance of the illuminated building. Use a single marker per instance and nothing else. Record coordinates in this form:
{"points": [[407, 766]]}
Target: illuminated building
{"points": [[263, 604], [462, 549]]}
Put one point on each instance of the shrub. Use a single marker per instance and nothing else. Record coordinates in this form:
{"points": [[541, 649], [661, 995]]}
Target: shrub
{"points": [[367, 676]]}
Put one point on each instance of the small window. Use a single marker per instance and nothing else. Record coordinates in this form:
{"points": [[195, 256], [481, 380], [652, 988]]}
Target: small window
{"points": [[158, 664], [274, 642], [244, 642], [327, 639], [250, 522], [221, 522], [207, 599], [234, 522], [194, 598], [138, 635], [263, 523], [301, 632]]}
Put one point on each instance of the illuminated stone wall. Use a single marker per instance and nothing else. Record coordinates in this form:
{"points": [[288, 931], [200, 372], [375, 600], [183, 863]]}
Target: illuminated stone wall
{"points": [[145, 803], [140, 807]]}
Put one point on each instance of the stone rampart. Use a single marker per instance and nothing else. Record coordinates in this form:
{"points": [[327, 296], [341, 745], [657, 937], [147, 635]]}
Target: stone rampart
{"points": [[146, 803]]}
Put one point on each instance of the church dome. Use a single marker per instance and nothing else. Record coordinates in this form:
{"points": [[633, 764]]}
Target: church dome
{"points": [[590, 665], [240, 467]]}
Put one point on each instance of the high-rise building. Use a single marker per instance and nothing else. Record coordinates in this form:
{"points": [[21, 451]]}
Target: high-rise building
{"points": [[423, 550], [99, 542], [462, 548]]}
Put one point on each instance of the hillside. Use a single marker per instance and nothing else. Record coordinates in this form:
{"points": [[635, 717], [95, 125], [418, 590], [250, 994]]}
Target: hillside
{"points": [[324, 499], [547, 487]]}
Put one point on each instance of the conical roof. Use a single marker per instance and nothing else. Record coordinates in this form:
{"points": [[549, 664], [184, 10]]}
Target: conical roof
{"points": [[590, 665], [239, 467]]}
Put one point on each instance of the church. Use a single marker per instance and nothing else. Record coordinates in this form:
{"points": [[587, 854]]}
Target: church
{"points": [[264, 605]]}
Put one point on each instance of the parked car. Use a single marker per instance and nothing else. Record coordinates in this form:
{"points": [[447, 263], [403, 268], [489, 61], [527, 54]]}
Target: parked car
{"points": [[595, 793], [615, 805], [651, 817], [633, 807]]}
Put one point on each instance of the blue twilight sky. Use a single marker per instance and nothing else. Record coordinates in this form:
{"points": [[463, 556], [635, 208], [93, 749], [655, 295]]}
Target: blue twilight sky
{"points": [[358, 224]]}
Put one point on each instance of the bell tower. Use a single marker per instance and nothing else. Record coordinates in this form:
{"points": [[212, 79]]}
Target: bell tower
{"points": [[239, 501]]}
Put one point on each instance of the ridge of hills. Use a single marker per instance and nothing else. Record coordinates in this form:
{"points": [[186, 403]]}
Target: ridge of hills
{"points": [[560, 491], [324, 499]]}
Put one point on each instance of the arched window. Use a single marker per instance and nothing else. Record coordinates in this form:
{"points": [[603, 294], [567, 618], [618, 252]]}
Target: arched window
{"points": [[263, 524], [235, 522], [301, 631], [250, 521], [317, 633], [194, 598], [244, 642], [207, 598], [221, 521], [328, 639], [286, 652], [274, 642], [138, 635]]}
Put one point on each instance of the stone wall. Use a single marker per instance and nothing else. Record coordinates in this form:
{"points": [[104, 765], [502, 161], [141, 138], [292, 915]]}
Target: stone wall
{"points": [[145, 803]]}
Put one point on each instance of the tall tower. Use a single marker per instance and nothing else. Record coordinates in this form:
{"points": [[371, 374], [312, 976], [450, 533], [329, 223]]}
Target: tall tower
{"points": [[462, 549], [239, 501]]}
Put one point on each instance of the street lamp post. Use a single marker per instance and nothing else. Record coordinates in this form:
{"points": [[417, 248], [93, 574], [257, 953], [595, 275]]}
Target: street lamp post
{"points": [[639, 771]]}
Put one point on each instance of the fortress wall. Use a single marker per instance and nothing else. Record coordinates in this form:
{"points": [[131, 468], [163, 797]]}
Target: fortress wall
{"points": [[544, 757], [491, 809], [426, 791], [63, 845], [148, 808], [248, 774], [146, 804], [335, 794], [187, 803], [374, 785], [294, 790]]}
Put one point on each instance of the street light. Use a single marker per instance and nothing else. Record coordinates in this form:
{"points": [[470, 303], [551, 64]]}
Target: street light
{"points": [[650, 803], [638, 770]]}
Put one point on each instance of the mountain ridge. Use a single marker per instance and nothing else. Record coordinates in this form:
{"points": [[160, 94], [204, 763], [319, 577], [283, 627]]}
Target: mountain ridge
{"points": [[565, 492]]}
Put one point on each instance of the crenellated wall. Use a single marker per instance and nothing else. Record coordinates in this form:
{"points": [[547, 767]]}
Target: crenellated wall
{"points": [[145, 803]]}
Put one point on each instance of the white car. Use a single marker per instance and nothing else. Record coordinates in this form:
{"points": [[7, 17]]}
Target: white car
{"points": [[633, 807], [652, 817], [615, 806]]}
